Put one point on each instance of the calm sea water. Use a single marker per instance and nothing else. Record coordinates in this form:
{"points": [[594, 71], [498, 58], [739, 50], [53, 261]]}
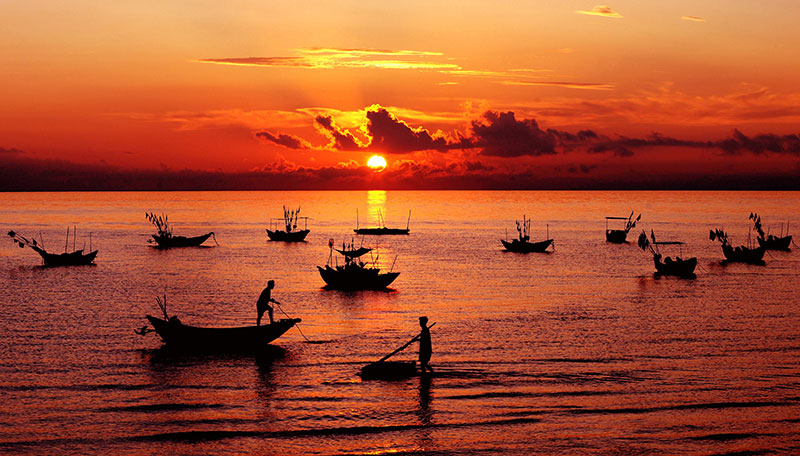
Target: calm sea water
{"points": [[581, 351]]}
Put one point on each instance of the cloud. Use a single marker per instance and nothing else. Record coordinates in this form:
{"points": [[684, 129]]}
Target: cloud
{"points": [[11, 151], [340, 139], [693, 18], [762, 144], [285, 140], [502, 135], [389, 134], [601, 10], [344, 58], [566, 84]]}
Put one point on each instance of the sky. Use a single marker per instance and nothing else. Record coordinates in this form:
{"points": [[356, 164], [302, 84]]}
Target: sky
{"points": [[469, 94]]}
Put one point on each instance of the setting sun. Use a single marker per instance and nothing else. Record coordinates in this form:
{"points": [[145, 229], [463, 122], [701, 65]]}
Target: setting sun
{"points": [[377, 163]]}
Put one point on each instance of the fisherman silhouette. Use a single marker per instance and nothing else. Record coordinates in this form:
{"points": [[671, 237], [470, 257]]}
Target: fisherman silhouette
{"points": [[263, 303], [425, 349]]}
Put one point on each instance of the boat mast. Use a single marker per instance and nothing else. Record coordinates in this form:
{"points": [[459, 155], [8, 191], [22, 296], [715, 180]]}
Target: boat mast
{"points": [[66, 241], [408, 222]]}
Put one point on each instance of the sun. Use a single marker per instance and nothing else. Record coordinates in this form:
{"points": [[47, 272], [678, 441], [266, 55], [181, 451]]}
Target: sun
{"points": [[377, 163]]}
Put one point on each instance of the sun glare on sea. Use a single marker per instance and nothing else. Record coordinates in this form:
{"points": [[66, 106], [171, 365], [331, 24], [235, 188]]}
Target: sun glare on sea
{"points": [[377, 163]]}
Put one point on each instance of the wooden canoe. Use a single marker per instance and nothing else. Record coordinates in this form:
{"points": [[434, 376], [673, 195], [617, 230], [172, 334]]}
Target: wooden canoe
{"points": [[176, 334]]}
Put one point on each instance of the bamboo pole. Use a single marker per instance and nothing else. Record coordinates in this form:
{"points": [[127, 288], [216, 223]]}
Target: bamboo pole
{"points": [[416, 338]]}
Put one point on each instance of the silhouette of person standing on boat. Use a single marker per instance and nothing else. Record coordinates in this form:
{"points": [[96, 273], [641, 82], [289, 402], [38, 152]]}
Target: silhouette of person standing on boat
{"points": [[425, 348], [263, 303]]}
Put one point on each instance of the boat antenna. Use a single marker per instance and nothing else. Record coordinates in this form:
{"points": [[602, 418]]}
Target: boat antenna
{"points": [[66, 241], [90, 241], [356, 218], [393, 262], [408, 222], [547, 235], [74, 236]]}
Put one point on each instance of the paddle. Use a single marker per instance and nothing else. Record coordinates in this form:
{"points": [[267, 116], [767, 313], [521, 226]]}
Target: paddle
{"points": [[416, 338]]}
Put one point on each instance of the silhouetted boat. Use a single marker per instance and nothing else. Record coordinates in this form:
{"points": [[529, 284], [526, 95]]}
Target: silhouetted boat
{"points": [[679, 267], [621, 236], [73, 258], [354, 274], [740, 254], [392, 370], [769, 241], [522, 244], [290, 233], [176, 334], [382, 230], [165, 239]]}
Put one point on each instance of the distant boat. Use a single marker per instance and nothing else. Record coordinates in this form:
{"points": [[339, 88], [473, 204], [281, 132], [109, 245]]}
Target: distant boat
{"points": [[678, 267], [74, 258], [740, 254], [290, 233], [165, 239], [382, 230], [354, 274], [769, 241], [522, 244], [175, 334], [621, 236]]}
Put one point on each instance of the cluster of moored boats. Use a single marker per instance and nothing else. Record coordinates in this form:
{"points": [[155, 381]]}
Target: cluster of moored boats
{"points": [[679, 267]]}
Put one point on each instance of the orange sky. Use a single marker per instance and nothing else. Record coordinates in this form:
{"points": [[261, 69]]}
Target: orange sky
{"points": [[192, 84]]}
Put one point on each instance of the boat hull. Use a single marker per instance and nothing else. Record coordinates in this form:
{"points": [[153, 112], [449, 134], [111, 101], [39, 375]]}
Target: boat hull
{"points": [[678, 268], [389, 370], [742, 254], [355, 279], [291, 236], [168, 242], [617, 236], [381, 231], [526, 247], [775, 243], [76, 258], [177, 335]]}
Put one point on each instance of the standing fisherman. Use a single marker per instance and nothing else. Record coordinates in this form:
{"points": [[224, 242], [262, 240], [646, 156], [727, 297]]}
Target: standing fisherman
{"points": [[425, 349], [263, 303]]}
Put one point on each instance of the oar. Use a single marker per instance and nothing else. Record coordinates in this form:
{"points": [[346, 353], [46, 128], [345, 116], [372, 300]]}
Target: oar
{"points": [[416, 338]]}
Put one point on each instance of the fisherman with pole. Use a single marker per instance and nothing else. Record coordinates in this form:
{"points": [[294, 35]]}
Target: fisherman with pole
{"points": [[425, 348], [263, 303]]}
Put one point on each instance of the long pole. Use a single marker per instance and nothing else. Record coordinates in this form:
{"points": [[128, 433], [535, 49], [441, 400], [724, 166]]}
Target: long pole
{"points": [[416, 338], [408, 222], [66, 241]]}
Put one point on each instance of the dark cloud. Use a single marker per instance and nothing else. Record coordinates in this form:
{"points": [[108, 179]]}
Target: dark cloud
{"points": [[391, 135], [341, 139], [11, 151], [285, 140], [500, 134], [762, 144]]}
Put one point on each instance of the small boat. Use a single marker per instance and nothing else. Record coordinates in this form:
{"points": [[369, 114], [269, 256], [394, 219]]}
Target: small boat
{"points": [[354, 274], [382, 229], [164, 238], [522, 244], [175, 334], [769, 241], [290, 233], [678, 267], [740, 254], [621, 236], [392, 370], [76, 257]]}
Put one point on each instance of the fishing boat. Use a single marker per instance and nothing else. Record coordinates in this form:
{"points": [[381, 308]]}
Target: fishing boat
{"points": [[289, 233], [678, 267], [621, 236], [740, 254], [769, 241], [175, 334], [76, 257], [382, 229], [164, 238], [522, 244], [354, 274]]}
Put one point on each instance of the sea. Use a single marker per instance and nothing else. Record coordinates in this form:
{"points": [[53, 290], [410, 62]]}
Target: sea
{"points": [[578, 351]]}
